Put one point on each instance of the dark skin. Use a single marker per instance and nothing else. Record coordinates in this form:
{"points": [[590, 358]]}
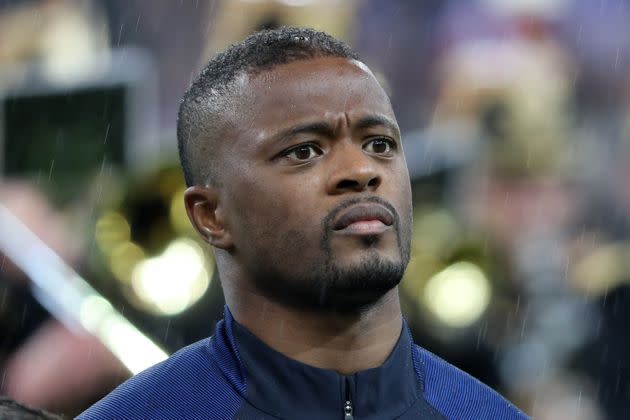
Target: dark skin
{"points": [[315, 139]]}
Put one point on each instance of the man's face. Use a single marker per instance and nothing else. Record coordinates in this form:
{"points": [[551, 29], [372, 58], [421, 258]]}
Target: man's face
{"points": [[316, 192]]}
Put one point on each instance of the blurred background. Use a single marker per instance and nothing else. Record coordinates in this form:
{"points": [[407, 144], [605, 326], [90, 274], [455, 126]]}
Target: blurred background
{"points": [[516, 125]]}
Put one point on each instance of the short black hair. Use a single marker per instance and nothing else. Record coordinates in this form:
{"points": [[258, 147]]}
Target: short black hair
{"points": [[11, 409], [199, 120]]}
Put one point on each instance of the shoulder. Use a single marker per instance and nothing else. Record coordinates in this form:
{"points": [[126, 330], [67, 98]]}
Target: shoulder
{"points": [[188, 382], [457, 395]]}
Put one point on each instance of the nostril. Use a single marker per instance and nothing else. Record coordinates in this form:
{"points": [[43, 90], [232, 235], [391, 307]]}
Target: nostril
{"points": [[374, 182], [347, 184]]}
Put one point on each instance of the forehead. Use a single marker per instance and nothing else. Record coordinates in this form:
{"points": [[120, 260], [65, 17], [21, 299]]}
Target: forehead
{"points": [[311, 89]]}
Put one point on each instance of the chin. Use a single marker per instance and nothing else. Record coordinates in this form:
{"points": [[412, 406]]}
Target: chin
{"points": [[360, 285], [347, 283]]}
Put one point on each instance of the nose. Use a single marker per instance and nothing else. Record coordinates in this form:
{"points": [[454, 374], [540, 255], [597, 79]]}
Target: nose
{"points": [[352, 170]]}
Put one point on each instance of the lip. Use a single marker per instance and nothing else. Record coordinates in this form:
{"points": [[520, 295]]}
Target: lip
{"points": [[364, 219]]}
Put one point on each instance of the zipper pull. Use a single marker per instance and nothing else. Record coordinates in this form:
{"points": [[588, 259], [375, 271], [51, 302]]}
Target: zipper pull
{"points": [[347, 411]]}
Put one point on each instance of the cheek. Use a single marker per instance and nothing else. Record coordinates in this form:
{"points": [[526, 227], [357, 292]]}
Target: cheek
{"points": [[402, 187], [271, 209]]}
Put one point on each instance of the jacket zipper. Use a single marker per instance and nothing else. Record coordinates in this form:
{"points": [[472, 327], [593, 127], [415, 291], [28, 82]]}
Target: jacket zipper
{"points": [[347, 407]]}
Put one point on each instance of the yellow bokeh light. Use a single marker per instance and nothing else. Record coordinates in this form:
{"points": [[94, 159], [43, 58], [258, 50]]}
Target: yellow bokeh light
{"points": [[458, 295], [172, 282], [111, 230], [178, 217], [123, 259]]}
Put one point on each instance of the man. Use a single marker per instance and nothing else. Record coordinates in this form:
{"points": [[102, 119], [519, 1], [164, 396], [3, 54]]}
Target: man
{"points": [[298, 181]]}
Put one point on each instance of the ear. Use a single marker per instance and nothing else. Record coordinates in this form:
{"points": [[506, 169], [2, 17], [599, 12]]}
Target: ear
{"points": [[205, 214]]}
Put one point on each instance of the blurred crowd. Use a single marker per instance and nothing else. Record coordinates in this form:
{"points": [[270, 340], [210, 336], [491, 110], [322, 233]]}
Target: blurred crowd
{"points": [[515, 117]]}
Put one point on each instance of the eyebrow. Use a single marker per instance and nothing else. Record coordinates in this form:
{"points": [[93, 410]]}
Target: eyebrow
{"points": [[319, 127], [376, 121], [325, 129]]}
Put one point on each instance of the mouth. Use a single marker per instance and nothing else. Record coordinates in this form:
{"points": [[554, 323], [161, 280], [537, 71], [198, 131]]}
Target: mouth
{"points": [[364, 219]]}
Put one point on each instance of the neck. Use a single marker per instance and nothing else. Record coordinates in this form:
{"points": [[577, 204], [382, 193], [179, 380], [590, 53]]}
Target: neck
{"points": [[346, 343]]}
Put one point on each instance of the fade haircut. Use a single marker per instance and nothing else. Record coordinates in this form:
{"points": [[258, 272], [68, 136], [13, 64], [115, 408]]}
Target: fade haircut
{"points": [[200, 121]]}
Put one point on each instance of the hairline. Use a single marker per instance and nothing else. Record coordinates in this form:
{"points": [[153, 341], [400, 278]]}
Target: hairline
{"points": [[238, 83], [215, 92]]}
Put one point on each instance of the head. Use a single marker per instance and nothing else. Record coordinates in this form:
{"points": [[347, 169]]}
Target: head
{"points": [[11, 409], [296, 172]]}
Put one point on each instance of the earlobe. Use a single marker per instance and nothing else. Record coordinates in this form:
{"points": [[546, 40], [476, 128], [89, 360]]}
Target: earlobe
{"points": [[204, 211]]}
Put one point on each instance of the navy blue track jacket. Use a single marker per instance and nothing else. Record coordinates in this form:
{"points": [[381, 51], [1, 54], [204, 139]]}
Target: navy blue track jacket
{"points": [[234, 375]]}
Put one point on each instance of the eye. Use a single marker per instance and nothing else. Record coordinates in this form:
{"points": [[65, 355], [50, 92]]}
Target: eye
{"points": [[303, 152], [380, 146]]}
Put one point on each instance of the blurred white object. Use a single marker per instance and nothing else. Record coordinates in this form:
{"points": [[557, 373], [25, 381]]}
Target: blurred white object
{"points": [[71, 299]]}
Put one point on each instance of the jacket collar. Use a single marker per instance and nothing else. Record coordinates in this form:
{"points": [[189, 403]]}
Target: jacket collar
{"points": [[286, 388]]}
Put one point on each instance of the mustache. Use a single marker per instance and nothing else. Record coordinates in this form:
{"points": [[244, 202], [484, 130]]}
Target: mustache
{"points": [[328, 220]]}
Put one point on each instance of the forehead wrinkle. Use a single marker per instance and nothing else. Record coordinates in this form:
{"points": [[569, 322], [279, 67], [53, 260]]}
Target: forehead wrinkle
{"points": [[340, 121]]}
